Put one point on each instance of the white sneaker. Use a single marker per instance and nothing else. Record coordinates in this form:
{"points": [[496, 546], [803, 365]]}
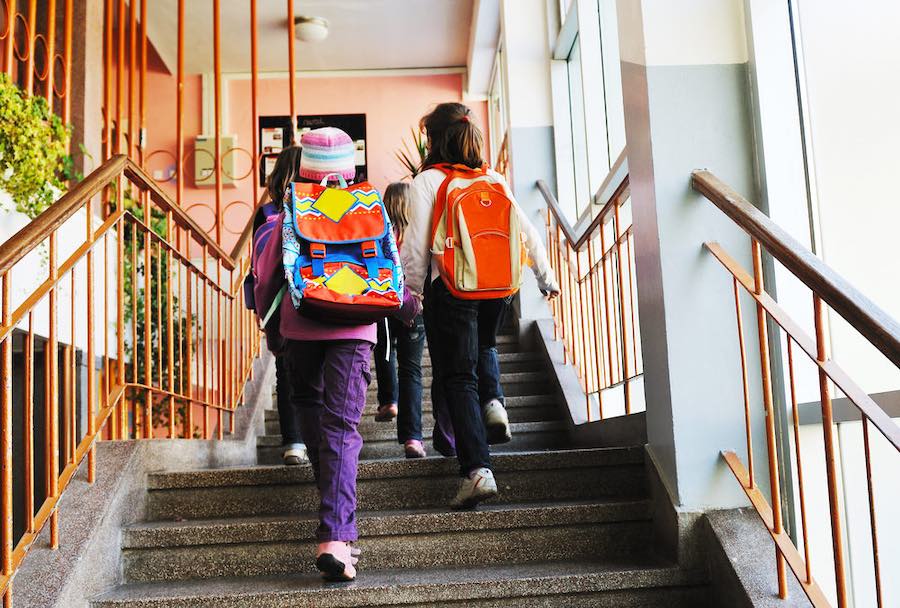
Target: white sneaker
{"points": [[480, 485], [295, 454], [496, 422]]}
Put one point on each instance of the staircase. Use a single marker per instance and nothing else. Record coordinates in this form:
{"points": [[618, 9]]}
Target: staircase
{"points": [[571, 528]]}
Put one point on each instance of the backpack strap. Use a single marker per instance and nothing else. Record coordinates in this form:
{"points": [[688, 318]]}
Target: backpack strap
{"points": [[317, 254], [370, 256], [275, 304]]}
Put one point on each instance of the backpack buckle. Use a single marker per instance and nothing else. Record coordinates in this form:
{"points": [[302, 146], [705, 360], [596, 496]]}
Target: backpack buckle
{"points": [[448, 243], [369, 249], [317, 251]]}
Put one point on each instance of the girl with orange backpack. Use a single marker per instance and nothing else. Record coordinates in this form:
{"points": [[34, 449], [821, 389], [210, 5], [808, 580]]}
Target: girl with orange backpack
{"points": [[464, 251]]}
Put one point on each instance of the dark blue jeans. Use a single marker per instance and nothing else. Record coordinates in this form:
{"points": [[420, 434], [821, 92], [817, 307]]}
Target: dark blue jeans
{"points": [[400, 373], [288, 416], [455, 330]]}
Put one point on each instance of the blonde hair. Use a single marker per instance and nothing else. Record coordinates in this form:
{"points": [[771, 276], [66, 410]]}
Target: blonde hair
{"points": [[396, 201]]}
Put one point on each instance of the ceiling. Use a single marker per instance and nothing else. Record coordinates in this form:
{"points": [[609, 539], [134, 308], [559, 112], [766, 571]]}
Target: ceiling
{"points": [[364, 34]]}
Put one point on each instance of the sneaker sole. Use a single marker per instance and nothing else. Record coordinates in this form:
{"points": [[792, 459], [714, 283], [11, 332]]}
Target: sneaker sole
{"points": [[498, 433], [332, 569], [473, 501], [384, 417], [293, 461]]}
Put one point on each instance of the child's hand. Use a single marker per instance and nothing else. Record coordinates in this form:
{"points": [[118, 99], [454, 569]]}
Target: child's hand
{"points": [[550, 294]]}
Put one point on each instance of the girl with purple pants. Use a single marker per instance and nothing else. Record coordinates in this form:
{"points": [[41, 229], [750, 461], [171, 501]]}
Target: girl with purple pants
{"points": [[328, 371]]}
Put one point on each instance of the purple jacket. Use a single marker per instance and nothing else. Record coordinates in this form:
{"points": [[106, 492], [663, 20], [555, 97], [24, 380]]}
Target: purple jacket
{"points": [[293, 325]]}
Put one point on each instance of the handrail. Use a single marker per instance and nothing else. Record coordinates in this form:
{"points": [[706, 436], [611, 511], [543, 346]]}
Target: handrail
{"points": [[828, 289], [140, 177], [247, 232], [177, 344], [882, 330], [600, 198], [595, 315], [35, 232]]}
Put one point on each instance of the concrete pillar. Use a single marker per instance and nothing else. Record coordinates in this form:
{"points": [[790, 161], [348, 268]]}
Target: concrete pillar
{"points": [[685, 83], [526, 57]]}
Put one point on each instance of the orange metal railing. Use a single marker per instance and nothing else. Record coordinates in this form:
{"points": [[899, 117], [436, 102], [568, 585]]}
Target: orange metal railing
{"points": [[596, 314], [879, 329], [152, 308]]}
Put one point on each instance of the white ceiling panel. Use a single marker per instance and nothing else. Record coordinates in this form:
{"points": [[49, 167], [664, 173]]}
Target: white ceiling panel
{"points": [[364, 34]]}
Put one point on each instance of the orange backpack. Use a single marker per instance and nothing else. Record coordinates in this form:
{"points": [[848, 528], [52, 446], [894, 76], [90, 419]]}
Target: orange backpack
{"points": [[476, 237]]}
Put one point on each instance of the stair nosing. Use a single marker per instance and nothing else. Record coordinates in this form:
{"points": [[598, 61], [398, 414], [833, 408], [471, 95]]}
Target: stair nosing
{"points": [[484, 583], [378, 524], [396, 468]]}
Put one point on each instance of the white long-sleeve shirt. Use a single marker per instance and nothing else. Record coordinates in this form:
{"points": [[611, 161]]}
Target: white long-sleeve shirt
{"points": [[416, 255]]}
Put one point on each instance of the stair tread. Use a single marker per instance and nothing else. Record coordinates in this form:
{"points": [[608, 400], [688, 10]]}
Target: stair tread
{"points": [[394, 468], [419, 585], [384, 523], [389, 432]]}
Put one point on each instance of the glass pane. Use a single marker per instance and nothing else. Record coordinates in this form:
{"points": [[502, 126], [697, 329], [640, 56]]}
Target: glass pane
{"points": [[579, 134]]}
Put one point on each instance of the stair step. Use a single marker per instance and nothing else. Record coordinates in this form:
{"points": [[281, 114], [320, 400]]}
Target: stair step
{"points": [[389, 540], [538, 412], [382, 441], [521, 408], [525, 365], [509, 380], [397, 484], [578, 584]]}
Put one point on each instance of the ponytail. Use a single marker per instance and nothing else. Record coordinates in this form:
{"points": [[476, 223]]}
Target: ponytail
{"points": [[453, 137]]}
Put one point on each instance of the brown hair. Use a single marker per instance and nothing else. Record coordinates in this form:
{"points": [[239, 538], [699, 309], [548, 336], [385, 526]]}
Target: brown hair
{"points": [[453, 136], [286, 170], [396, 201]]}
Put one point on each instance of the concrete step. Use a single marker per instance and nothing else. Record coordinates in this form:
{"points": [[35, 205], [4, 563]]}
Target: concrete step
{"points": [[592, 474], [389, 540], [541, 410], [525, 365], [574, 584], [511, 382], [382, 441]]}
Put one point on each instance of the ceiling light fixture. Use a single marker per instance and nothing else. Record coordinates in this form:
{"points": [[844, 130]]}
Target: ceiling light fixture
{"points": [[310, 29]]}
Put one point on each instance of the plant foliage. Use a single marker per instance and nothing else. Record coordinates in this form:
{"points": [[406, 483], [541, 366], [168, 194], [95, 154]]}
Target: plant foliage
{"points": [[33, 159], [413, 158]]}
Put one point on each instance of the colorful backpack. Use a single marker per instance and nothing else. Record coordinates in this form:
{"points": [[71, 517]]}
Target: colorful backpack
{"points": [[340, 256], [476, 237]]}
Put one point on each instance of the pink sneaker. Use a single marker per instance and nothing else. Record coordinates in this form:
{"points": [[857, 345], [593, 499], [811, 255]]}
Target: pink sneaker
{"points": [[335, 561], [414, 449], [386, 413]]}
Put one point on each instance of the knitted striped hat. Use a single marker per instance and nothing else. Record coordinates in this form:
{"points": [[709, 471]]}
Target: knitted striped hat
{"points": [[327, 150]]}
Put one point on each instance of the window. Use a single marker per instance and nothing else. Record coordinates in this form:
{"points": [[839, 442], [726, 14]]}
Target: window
{"points": [[497, 121], [579, 129], [588, 109]]}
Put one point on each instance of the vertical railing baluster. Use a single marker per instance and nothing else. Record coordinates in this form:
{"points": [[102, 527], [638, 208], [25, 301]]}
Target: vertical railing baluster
{"points": [[873, 524], [795, 410], [765, 368], [91, 364], [28, 424], [617, 233], [148, 319], [50, 47], [745, 384], [205, 324], [51, 453], [6, 440], [120, 311], [830, 454]]}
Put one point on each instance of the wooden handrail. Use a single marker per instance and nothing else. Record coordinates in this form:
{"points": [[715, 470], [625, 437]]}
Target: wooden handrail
{"points": [[145, 182], [35, 232], [247, 232], [575, 241], [882, 330]]}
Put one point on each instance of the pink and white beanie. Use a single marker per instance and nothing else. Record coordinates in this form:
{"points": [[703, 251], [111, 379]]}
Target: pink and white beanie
{"points": [[325, 151]]}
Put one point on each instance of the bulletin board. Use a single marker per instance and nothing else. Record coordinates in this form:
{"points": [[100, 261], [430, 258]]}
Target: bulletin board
{"points": [[275, 133]]}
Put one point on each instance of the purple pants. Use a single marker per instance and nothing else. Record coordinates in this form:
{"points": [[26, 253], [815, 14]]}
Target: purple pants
{"points": [[328, 382]]}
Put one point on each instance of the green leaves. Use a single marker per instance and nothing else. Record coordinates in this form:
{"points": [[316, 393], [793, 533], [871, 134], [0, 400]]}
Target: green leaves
{"points": [[33, 159], [412, 160]]}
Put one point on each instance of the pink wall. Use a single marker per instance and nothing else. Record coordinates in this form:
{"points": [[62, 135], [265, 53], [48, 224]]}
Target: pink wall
{"points": [[392, 105]]}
